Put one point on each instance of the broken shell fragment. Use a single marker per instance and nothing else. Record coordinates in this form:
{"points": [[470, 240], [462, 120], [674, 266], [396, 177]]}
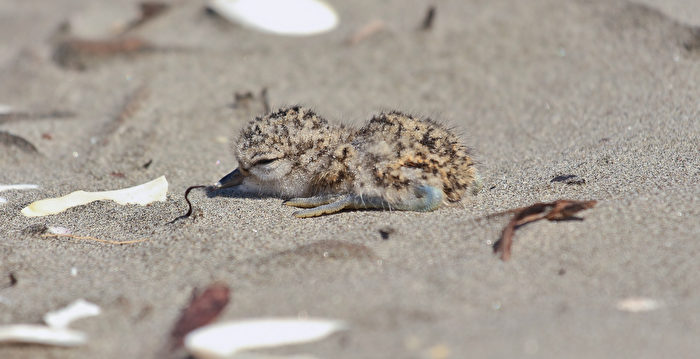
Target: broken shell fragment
{"points": [[144, 194], [40, 334], [282, 17], [61, 318], [223, 340], [17, 187], [638, 304]]}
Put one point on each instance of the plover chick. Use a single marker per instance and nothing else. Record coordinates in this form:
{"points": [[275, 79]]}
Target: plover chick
{"points": [[394, 162]]}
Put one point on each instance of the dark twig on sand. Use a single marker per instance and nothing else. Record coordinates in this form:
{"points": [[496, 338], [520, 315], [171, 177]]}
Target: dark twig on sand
{"points": [[553, 211], [21, 116], [202, 310], [9, 140], [149, 10], [90, 238], [78, 54], [189, 204], [429, 19]]}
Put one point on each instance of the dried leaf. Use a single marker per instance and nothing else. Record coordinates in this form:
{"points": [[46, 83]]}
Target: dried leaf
{"points": [[78, 54], [203, 309], [554, 211], [149, 10]]}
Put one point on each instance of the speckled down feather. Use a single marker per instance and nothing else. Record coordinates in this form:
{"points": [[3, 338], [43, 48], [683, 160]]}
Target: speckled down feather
{"points": [[387, 158]]}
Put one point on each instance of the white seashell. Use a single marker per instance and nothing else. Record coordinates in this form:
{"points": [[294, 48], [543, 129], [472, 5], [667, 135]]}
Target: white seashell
{"points": [[141, 194], [17, 187], [638, 304], [283, 17], [58, 230], [223, 340], [40, 334], [14, 187], [63, 317]]}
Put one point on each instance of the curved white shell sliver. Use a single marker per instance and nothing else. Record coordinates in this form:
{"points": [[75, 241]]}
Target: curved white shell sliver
{"points": [[283, 17], [223, 340]]}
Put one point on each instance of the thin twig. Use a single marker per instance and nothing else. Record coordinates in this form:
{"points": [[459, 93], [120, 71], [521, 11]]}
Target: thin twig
{"points": [[553, 211], [93, 238], [189, 204], [429, 19], [366, 31]]}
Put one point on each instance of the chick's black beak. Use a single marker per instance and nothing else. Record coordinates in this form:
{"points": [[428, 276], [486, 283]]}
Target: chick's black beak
{"points": [[232, 179]]}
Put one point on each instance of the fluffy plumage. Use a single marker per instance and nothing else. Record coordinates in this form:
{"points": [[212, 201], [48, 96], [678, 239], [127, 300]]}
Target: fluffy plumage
{"points": [[395, 161]]}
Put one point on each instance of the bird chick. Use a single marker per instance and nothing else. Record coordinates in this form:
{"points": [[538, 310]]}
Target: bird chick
{"points": [[395, 162]]}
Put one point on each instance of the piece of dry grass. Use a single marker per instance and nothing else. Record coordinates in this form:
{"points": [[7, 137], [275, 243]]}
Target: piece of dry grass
{"points": [[559, 210], [369, 29], [90, 238]]}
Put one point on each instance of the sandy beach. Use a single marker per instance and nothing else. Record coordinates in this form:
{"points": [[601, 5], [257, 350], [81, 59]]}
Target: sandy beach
{"points": [[582, 100]]}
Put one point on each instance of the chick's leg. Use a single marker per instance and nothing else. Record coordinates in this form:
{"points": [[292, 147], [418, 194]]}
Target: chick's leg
{"points": [[325, 207], [424, 199], [310, 202]]}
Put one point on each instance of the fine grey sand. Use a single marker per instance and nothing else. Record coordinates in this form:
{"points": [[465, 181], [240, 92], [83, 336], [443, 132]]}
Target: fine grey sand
{"points": [[607, 91]]}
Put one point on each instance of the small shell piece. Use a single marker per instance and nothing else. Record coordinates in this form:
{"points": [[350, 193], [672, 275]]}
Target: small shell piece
{"points": [[40, 334], [282, 17], [223, 340], [144, 194], [63, 317], [14, 187], [17, 187], [638, 304]]}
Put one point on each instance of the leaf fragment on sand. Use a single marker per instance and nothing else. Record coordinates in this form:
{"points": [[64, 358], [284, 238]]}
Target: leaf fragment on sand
{"points": [[562, 209], [142, 194], [223, 340], [282, 17], [638, 304], [203, 309], [40, 334], [61, 318]]}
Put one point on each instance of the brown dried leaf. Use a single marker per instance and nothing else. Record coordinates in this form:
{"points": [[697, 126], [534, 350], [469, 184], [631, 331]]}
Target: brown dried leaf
{"points": [[149, 10], [554, 211], [203, 309], [78, 54]]}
